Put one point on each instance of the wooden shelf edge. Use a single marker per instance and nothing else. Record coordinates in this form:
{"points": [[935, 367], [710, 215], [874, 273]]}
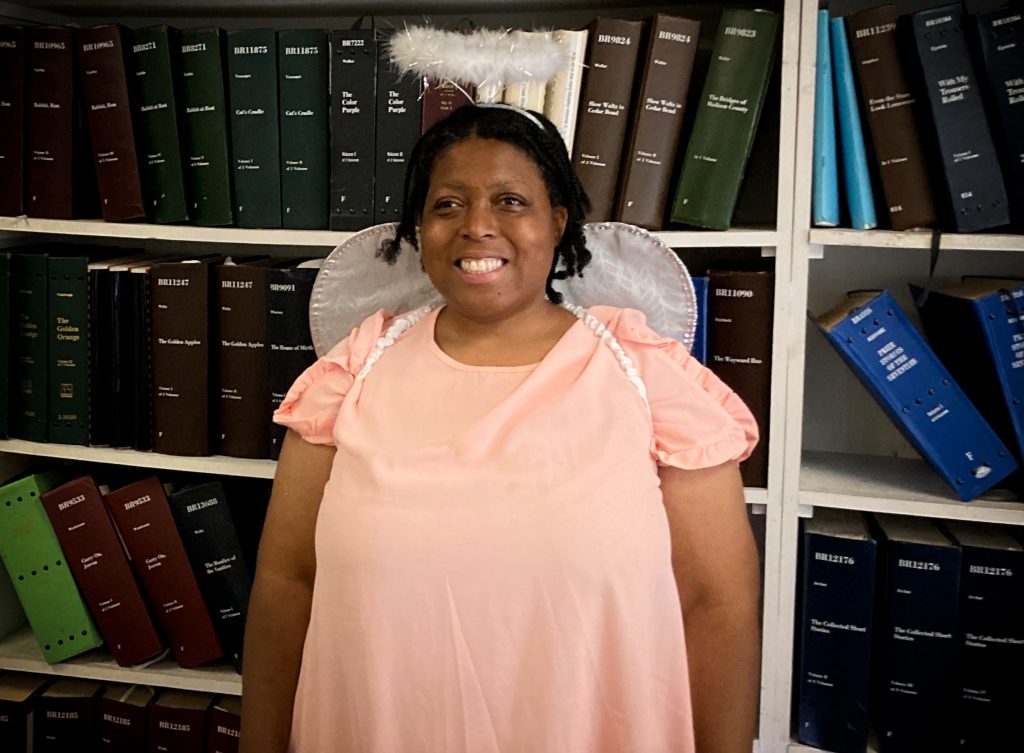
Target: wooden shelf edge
{"points": [[21, 653], [738, 237], [214, 464], [915, 239], [893, 485]]}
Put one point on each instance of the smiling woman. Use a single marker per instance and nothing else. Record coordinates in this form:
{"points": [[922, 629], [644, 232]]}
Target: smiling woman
{"points": [[491, 520]]}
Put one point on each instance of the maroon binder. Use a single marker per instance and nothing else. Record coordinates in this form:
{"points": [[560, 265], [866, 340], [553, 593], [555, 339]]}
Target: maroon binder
{"points": [[12, 120], [94, 554], [147, 528]]}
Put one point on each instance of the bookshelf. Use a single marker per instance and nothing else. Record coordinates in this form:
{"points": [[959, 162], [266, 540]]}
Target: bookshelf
{"points": [[824, 452]]}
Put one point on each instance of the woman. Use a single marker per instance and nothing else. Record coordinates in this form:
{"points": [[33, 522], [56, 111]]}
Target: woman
{"points": [[486, 533]]}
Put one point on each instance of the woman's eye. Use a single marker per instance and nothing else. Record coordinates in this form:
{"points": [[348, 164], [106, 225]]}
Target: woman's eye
{"points": [[513, 201], [445, 204]]}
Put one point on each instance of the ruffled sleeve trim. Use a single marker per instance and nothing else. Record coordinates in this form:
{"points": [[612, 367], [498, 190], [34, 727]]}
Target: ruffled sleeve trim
{"points": [[313, 401], [698, 421]]}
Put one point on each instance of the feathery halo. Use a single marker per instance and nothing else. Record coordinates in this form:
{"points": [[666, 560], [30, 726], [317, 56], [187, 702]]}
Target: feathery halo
{"points": [[484, 56]]}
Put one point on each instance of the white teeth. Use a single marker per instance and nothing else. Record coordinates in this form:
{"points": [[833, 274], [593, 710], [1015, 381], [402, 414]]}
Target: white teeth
{"points": [[479, 266]]}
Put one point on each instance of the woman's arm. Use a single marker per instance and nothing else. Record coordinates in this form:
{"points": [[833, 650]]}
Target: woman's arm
{"points": [[716, 569], [281, 595]]}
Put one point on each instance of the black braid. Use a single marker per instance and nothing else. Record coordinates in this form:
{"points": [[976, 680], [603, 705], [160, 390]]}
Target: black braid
{"points": [[544, 146]]}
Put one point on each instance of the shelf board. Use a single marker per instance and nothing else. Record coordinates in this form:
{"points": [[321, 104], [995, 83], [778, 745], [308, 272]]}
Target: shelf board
{"points": [[897, 485], [799, 748], [919, 239], [20, 651], [736, 238], [214, 464]]}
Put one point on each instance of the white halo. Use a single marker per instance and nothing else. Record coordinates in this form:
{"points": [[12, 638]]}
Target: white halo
{"points": [[630, 268]]}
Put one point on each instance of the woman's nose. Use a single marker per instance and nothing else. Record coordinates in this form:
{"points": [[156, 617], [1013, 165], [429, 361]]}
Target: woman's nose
{"points": [[479, 220]]}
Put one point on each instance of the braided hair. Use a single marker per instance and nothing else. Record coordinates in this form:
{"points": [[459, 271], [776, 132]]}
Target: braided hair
{"points": [[543, 145]]}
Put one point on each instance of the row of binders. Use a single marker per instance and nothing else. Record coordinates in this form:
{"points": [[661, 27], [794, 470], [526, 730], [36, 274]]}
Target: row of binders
{"points": [[137, 568], [310, 129], [912, 629], [958, 397], [38, 713], [918, 118], [180, 356]]}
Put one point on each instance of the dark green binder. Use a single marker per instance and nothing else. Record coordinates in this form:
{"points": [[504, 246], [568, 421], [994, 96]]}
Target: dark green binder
{"points": [[153, 59], [67, 403], [44, 584], [203, 104], [255, 155], [730, 107], [305, 151], [5, 342], [28, 346]]}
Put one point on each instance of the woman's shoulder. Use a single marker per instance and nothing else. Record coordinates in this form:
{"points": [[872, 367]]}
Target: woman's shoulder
{"points": [[629, 325]]}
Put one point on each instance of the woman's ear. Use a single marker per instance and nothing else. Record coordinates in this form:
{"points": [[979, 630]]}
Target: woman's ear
{"points": [[559, 218]]}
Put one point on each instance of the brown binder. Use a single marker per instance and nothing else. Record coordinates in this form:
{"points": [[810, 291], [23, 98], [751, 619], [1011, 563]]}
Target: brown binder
{"points": [[612, 52], [225, 725], [63, 716], [94, 554], [740, 306], [889, 102], [656, 121], [441, 99], [177, 721], [241, 293], [147, 528], [105, 95], [184, 411]]}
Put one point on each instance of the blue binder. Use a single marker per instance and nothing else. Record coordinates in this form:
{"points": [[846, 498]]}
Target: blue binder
{"points": [[825, 176], [977, 330], [700, 336], [856, 180], [876, 339]]}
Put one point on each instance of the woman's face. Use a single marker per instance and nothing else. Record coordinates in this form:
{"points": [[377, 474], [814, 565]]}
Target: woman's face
{"points": [[488, 231]]}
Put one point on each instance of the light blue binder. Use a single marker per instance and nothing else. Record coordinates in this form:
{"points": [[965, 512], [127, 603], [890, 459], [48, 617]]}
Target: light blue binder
{"points": [[825, 177], [856, 179]]}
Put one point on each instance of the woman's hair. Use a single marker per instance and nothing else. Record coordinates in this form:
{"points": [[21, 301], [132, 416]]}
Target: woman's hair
{"points": [[543, 145]]}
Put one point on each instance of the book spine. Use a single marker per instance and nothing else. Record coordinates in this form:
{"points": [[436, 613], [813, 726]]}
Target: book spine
{"points": [[123, 383], [241, 292], [973, 180], [918, 647], [730, 107], [835, 647], [889, 102], [154, 67], [14, 724], [1001, 36], [353, 128], [399, 113], [225, 729], [304, 117], [860, 201], [178, 729], [120, 727], [656, 121], [32, 556], [101, 358], [825, 178], [97, 561], [208, 533], [12, 120], [101, 65], [562, 98], [904, 375], [255, 145], [440, 99], [67, 402], [184, 420], [610, 67], [740, 306], [289, 342], [142, 332], [29, 346], [147, 528], [700, 335], [5, 343], [203, 102], [991, 646], [528, 95], [51, 122], [66, 723]]}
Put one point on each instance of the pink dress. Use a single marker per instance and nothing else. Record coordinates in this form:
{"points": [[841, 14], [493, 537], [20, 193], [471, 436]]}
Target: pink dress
{"points": [[493, 569]]}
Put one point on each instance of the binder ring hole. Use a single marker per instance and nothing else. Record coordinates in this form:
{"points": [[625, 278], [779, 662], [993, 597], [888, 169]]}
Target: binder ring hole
{"points": [[60, 641]]}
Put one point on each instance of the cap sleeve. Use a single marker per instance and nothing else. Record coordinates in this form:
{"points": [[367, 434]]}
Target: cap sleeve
{"points": [[698, 421], [312, 403]]}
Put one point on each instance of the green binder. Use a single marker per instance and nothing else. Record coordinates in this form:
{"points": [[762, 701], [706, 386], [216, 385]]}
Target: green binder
{"points": [[44, 584], [727, 116]]}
